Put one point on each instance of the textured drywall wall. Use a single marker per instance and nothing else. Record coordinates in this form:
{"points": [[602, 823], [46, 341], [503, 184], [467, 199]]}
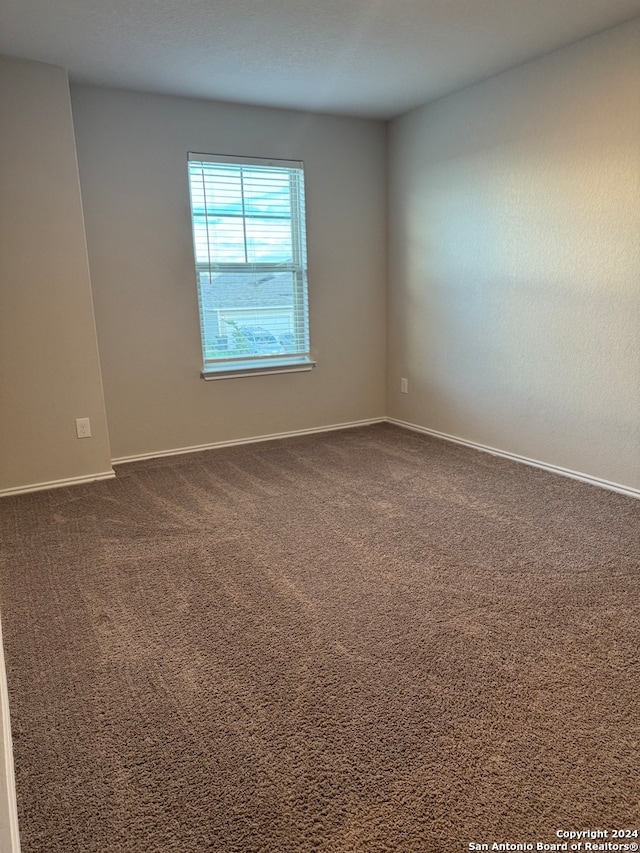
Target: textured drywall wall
{"points": [[132, 151], [514, 296], [49, 366]]}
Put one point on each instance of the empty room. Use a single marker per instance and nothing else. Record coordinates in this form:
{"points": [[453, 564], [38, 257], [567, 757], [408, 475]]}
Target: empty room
{"points": [[319, 426]]}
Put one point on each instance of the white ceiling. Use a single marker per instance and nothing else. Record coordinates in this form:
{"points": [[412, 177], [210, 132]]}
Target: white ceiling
{"points": [[376, 58]]}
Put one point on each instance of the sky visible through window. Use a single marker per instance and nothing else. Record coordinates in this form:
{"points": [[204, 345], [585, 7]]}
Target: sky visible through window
{"points": [[241, 214]]}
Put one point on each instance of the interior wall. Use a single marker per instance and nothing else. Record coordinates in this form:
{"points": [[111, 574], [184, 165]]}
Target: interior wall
{"points": [[49, 365], [514, 296], [132, 151]]}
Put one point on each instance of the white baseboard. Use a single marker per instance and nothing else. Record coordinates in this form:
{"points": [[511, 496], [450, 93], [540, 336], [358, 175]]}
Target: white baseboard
{"points": [[253, 440], [58, 484], [535, 463], [9, 834], [494, 451]]}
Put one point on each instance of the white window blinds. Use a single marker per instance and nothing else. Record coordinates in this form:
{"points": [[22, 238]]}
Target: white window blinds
{"points": [[249, 238]]}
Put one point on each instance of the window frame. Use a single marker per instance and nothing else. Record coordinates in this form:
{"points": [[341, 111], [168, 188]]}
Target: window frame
{"points": [[254, 364]]}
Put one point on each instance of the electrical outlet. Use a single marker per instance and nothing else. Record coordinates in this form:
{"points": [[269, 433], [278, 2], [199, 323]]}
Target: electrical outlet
{"points": [[83, 427], [404, 386]]}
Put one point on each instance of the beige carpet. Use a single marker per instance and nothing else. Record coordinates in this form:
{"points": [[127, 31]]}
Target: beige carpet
{"points": [[359, 641]]}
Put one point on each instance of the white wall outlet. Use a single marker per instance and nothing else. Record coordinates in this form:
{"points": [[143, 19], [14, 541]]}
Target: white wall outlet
{"points": [[404, 386], [83, 427]]}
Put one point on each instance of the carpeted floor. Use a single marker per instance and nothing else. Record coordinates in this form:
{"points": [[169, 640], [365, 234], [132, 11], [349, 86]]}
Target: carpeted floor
{"points": [[360, 641]]}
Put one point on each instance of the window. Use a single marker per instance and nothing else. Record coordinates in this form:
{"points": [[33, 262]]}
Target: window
{"points": [[248, 220]]}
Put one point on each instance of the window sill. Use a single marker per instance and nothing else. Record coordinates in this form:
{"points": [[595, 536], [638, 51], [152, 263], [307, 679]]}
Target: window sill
{"points": [[228, 371]]}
